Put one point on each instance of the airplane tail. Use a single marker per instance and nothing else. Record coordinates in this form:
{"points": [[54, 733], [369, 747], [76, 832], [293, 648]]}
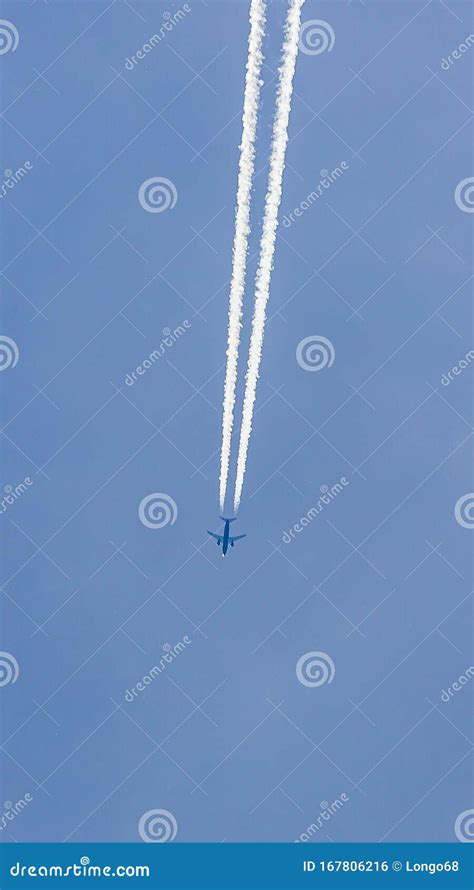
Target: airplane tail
{"points": [[224, 519]]}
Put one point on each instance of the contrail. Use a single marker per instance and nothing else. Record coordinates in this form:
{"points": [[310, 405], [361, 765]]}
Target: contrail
{"points": [[242, 229], [270, 222]]}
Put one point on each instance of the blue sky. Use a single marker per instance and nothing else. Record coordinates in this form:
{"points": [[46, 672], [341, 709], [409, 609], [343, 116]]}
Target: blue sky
{"points": [[227, 738]]}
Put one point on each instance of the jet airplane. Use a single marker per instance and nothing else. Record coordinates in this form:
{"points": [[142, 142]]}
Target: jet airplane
{"points": [[226, 538]]}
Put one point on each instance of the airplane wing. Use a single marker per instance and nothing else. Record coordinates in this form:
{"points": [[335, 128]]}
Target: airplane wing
{"points": [[237, 538], [217, 537]]}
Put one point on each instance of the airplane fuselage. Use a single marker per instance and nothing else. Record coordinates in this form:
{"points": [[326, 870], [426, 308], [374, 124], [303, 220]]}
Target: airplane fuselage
{"points": [[225, 539]]}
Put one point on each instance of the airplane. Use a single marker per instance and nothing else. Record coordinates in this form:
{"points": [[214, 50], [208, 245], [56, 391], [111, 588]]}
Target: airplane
{"points": [[226, 538]]}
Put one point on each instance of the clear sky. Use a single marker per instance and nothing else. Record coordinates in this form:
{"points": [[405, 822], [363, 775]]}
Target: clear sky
{"points": [[102, 407]]}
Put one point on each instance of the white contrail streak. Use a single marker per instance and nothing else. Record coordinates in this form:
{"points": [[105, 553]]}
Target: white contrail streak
{"points": [[270, 222], [242, 229]]}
